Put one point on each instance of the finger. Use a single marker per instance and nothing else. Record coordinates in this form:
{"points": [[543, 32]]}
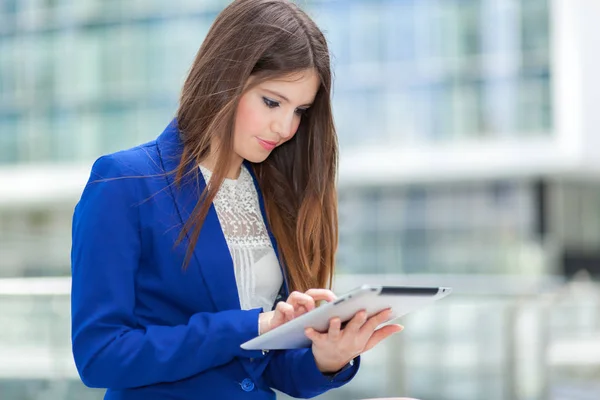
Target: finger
{"points": [[356, 322], [381, 334], [376, 320], [297, 299], [321, 294], [301, 310], [335, 329], [313, 335], [285, 311]]}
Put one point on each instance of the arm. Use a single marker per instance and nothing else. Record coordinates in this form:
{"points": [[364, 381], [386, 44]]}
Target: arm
{"points": [[110, 348], [295, 373]]}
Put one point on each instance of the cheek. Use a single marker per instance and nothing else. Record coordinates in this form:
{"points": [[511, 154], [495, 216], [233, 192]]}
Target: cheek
{"points": [[295, 126], [297, 121], [249, 119]]}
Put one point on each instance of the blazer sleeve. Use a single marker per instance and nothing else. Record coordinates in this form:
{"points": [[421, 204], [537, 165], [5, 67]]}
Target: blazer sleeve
{"points": [[110, 349], [295, 373]]}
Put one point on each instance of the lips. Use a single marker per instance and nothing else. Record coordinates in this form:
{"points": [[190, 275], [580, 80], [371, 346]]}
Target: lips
{"points": [[267, 144]]}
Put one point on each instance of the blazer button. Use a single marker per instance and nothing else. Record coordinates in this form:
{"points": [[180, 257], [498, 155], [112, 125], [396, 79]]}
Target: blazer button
{"points": [[247, 385]]}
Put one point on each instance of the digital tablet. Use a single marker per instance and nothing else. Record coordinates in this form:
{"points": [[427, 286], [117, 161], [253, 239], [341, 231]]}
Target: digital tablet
{"points": [[372, 299]]}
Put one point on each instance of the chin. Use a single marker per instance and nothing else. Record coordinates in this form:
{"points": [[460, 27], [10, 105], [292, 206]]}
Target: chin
{"points": [[256, 158]]}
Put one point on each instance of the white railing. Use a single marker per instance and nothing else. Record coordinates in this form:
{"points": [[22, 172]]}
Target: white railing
{"points": [[494, 338]]}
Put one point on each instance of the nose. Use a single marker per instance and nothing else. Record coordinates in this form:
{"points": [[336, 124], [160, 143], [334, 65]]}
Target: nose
{"points": [[285, 125]]}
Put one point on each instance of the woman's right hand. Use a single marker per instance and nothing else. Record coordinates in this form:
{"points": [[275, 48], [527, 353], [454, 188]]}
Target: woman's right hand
{"points": [[297, 303]]}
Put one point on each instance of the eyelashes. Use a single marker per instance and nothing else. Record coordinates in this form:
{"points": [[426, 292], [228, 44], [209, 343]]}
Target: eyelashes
{"points": [[301, 111], [270, 103], [274, 104]]}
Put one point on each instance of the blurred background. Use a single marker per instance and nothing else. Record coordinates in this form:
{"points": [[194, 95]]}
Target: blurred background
{"points": [[469, 158]]}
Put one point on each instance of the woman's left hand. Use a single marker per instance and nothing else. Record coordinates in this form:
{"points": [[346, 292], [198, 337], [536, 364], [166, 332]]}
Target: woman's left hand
{"points": [[335, 348]]}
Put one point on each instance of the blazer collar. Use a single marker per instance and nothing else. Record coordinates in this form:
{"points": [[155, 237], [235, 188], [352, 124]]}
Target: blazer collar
{"points": [[211, 254]]}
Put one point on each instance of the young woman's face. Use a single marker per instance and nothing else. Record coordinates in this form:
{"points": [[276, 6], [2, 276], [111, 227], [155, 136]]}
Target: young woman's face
{"points": [[269, 114]]}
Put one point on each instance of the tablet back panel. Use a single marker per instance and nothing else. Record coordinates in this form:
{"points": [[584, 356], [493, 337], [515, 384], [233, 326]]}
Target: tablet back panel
{"points": [[373, 299]]}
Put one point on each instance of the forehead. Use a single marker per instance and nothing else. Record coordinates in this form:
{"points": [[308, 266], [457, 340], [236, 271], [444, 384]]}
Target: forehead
{"points": [[300, 87]]}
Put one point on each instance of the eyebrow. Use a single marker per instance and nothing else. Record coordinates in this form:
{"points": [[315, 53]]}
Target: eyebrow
{"points": [[282, 97]]}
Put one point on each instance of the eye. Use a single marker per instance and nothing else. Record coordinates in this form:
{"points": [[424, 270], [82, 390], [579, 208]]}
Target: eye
{"points": [[270, 103], [301, 111]]}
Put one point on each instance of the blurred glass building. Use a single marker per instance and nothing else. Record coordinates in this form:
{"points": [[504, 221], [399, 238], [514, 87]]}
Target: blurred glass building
{"points": [[468, 147]]}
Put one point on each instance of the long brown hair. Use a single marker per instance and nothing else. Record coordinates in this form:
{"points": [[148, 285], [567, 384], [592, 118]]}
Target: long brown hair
{"points": [[267, 39]]}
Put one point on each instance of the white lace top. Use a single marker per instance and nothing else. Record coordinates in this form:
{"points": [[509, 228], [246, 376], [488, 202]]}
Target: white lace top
{"points": [[257, 273]]}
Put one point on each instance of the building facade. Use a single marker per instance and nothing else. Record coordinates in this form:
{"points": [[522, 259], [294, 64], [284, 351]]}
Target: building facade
{"points": [[466, 127]]}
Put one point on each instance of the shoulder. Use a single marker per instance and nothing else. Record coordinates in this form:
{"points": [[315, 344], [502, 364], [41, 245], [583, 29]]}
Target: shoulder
{"points": [[139, 161], [126, 174]]}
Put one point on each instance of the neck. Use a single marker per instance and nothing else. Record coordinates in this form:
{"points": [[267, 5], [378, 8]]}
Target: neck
{"points": [[233, 169]]}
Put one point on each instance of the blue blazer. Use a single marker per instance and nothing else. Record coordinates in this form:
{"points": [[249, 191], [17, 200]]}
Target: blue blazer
{"points": [[144, 327]]}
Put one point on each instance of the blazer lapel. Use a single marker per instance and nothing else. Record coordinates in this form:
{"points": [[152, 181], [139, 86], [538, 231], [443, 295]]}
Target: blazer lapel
{"points": [[285, 289], [211, 254]]}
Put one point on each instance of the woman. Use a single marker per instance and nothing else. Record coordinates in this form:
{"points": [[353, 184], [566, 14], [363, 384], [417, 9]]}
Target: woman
{"points": [[181, 246]]}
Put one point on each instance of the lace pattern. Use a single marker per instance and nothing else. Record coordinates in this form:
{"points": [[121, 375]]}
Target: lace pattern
{"points": [[257, 273]]}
